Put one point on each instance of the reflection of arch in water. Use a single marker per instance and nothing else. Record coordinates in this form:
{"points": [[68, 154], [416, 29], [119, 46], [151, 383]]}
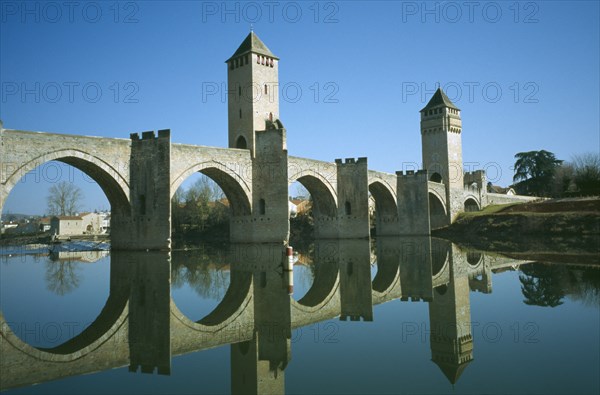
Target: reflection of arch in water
{"points": [[440, 261], [388, 265], [476, 267], [234, 187], [474, 258], [324, 285], [112, 183], [234, 303], [109, 322], [386, 279], [441, 289], [323, 296]]}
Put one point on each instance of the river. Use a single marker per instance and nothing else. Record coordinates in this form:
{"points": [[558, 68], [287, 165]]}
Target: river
{"points": [[395, 315]]}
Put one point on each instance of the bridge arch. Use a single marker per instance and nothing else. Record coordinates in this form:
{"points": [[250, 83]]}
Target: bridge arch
{"points": [[471, 204], [386, 209], [437, 211], [114, 185], [233, 185], [324, 200]]}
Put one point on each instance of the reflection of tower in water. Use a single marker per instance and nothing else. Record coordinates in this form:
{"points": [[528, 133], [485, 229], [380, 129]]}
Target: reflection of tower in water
{"points": [[257, 365], [450, 319]]}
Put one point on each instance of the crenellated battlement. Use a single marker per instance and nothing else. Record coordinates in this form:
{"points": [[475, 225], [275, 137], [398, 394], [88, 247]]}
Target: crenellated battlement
{"points": [[412, 174], [475, 177], [351, 161]]}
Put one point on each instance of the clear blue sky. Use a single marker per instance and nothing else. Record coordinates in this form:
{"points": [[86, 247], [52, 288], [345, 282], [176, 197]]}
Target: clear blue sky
{"points": [[525, 75]]}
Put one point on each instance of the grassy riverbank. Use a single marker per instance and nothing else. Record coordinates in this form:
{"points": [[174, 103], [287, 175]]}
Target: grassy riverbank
{"points": [[553, 226]]}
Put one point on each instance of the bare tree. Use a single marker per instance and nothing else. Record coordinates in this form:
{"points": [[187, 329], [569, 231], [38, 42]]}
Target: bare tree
{"points": [[587, 173], [62, 277], [64, 198]]}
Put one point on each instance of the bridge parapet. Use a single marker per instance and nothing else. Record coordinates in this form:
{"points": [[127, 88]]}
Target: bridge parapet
{"points": [[105, 160]]}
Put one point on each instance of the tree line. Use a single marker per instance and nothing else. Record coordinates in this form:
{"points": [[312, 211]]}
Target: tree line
{"points": [[540, 173], [200, 209]]}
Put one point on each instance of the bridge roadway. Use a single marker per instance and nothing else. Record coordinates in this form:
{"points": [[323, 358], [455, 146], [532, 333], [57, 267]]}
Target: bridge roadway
{"points": [[141, 327]]}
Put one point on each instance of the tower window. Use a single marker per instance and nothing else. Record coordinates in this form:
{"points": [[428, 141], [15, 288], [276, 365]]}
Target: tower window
{"points": [[246, 61], [240, 113], [266, 89], [231, 65], [436, 177], [271, 63], [241, 143], [239, 91], [257, 59], [262, 207]]}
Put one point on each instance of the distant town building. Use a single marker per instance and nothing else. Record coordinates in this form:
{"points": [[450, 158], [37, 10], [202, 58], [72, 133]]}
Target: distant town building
{"points": [[44, 224], [82, 224], [498, 189], [8, 227]]}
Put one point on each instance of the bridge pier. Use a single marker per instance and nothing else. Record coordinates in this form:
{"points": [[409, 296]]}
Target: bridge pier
{"points": [[269, 221], [353, 198], [415, 268], [413, 203], [356, 296], [257, 365], [150, 312], [148, 225]]}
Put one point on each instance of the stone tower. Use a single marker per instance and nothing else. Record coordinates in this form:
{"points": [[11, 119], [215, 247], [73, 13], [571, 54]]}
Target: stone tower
{"points": [[253, 96], [441, 129]]}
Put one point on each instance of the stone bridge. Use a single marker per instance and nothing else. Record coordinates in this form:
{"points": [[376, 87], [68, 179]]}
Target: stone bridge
{"points": [[140, 175], [141, 327]]}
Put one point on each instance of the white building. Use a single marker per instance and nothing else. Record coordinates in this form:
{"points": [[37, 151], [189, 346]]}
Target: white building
{"points": [[82, 224]]}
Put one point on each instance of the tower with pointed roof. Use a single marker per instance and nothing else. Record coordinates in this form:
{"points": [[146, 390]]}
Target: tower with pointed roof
{"points": [[253, 95], [441, 143]]}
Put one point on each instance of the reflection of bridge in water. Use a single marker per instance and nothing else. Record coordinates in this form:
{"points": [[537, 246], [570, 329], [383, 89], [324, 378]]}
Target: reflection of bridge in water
{"points": [[141, 327]]}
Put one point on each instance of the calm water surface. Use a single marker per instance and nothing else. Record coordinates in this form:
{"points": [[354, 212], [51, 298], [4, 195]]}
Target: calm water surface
{"points": [[396, 316]]}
